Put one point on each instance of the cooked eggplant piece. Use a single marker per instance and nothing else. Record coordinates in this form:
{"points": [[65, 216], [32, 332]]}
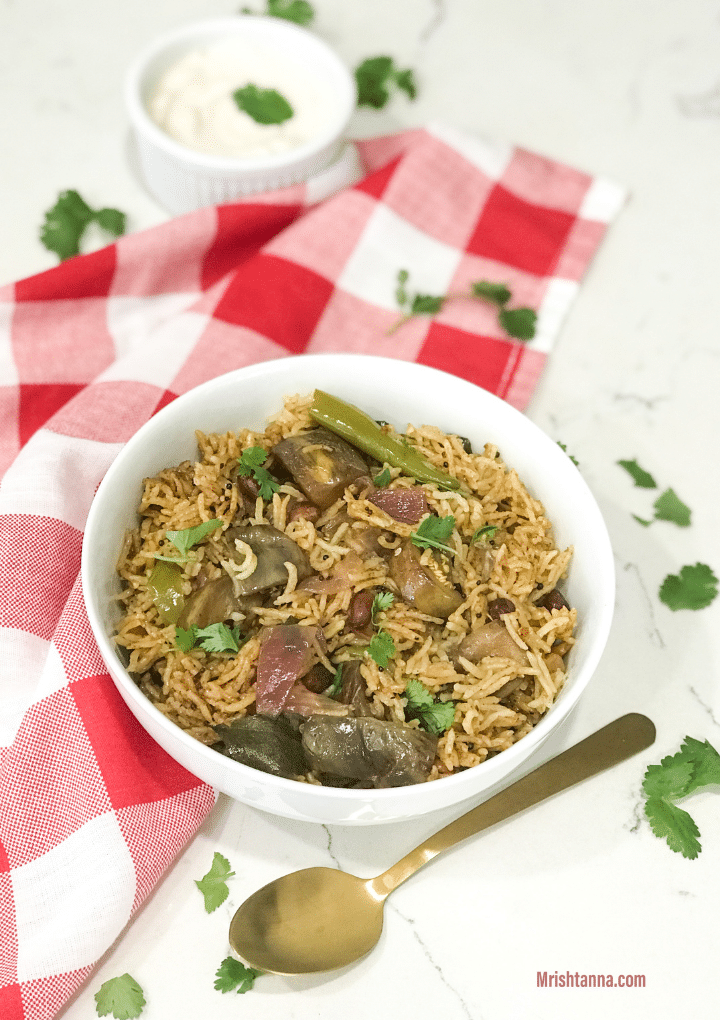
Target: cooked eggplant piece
{"points": [[272, 745], [419, 586], [215, 602], [368, 749], [490, 639], [352, 690], [321, 463], [273, 550]]}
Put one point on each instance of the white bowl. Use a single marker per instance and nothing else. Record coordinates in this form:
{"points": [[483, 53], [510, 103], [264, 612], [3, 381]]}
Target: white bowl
{"points": [[182, 179], [400, 392]]}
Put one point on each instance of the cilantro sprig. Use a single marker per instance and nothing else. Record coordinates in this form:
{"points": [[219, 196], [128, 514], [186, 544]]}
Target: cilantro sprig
{"points": [[520, 323], [695, 587], [265, 106], [694, 766], [299, 11], [435, 716], [377, 76], [184, 540], [120, 996], [232, 975], [66, 222], [433, 532], [213, 885], [216, 637], [383, 479], [251, 463]]}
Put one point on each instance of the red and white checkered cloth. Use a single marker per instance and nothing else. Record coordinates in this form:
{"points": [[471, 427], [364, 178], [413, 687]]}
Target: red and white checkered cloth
{"points": [[92, 811]]}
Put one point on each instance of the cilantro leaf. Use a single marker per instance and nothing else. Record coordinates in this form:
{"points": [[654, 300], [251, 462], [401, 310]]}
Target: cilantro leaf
{"points": [[401, 295], [250, 463], [251, 459], [267, 483], [417, 694], [705, 760], [426, 304], [671, 823], [433, 532], [383, 600], [383, 479], [121, 996], [695, 765], [299, 11], [185, 639], [641, 477], [232, 975], [518, 322], [111, 220], [216, 637], [405, 80], [484, 534], [668, 507], [66, 222], [671, 778], [498, 293], [184, 540], [435, 716], [381, 648], [265, 106], [213, 885], [694, 587], [375, 76]]}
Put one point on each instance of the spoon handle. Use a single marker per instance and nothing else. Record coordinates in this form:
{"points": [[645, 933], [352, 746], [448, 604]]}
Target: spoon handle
{"points": [[612, 744]]}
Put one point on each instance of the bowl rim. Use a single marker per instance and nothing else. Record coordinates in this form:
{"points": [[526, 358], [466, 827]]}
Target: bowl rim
{"points": [[500, 767], [202, 31]]}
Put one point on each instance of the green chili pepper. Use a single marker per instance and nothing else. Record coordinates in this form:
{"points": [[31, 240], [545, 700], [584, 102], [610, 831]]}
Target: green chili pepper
{"points": [[165, 586], [362, 431]]}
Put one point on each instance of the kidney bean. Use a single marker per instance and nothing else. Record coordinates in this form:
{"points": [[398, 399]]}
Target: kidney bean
{"points": [[552, 599], [318, 679], [360, 611], [499, 607]]}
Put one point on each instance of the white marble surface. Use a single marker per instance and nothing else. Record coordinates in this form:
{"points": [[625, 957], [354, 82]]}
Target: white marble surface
{"points": [[631, 91]]}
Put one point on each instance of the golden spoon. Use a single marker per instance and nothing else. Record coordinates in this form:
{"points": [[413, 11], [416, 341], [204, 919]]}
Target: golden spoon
{"points": [[320, 919]]}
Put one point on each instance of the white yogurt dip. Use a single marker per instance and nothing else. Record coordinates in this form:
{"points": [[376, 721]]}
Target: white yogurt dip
{"points": [[193, 100]]}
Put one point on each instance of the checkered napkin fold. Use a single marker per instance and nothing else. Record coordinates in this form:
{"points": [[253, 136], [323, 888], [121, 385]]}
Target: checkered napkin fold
{"points": [[92, 811]]}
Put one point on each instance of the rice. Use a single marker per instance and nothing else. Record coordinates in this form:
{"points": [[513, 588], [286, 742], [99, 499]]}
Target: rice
{"points": [[498, 698]]}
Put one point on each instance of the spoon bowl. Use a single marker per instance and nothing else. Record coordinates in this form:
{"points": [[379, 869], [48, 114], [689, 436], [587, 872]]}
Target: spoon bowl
{"points": [[321, 919], [291, 925]]}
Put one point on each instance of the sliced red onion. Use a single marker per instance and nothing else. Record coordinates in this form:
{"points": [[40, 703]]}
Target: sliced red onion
{"points": [[286, 654]]}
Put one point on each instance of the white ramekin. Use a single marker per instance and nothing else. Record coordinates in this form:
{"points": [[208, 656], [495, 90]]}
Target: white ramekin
{"points": [[180, 178]]}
